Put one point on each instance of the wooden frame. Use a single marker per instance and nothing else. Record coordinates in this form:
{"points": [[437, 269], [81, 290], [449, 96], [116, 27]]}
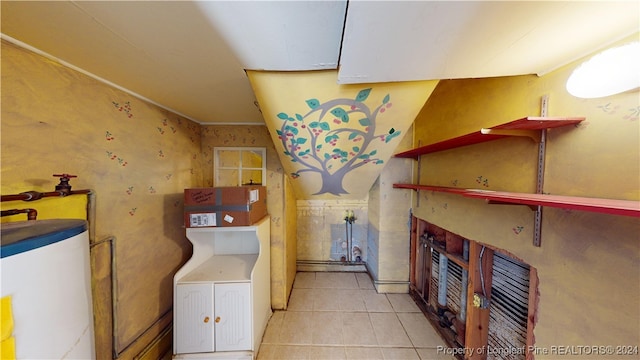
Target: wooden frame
{"points": [[480, 268]]}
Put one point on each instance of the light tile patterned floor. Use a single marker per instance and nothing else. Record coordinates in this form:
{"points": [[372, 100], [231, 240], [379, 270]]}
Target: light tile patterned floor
{"points": [[335, 315]]}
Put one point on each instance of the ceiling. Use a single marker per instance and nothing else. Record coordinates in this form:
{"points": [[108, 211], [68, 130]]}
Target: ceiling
{"points": [[190, 56]]}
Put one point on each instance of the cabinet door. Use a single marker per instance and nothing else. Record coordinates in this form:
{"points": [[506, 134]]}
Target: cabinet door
{"points": [[233, 317], [194, 318]]}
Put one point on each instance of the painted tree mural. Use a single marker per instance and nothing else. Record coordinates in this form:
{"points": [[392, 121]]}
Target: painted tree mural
{"points": [[334, 138]]}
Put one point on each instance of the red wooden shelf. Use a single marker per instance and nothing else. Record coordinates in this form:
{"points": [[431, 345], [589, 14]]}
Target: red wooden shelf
{"points": [[605, 206], [431, 188], [521, 127]]}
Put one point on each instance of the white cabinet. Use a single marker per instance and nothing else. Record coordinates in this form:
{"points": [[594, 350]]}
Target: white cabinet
{"points": [[222, 295], [232, 316], [213, 317], [194, 318]]}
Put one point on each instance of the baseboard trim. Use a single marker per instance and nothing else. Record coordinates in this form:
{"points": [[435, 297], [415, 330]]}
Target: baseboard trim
{"points": [[328, 266], [159, 346]]}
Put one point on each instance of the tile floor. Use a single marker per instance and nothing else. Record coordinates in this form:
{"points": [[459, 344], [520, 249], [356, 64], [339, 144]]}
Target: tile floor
{"points": [[339, 315]]}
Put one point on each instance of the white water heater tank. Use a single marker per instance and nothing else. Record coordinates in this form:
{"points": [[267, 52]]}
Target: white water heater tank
{"points": [[46, 271]]}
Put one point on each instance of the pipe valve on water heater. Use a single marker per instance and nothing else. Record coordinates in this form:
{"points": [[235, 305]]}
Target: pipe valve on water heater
{"points": [[64, 187]]}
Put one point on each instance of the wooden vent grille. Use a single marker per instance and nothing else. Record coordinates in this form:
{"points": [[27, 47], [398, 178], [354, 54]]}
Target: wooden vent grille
{"points": [[508, 308], [454, 286], [435, 271], [454, 283]]}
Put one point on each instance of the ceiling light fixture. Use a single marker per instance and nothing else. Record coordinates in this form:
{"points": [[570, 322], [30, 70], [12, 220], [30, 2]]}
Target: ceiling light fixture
{"points": [[610, 72]]}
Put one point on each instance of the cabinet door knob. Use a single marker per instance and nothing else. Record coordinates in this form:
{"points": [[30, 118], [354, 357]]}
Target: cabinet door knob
{"points": [[206, 319], [217, 319]]}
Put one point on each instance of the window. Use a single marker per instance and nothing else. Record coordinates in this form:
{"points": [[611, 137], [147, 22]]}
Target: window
{"points": [[235, 166]]}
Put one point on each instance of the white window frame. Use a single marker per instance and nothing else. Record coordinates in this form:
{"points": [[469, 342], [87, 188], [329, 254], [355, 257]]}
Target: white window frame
{"points": [[239, 168]]}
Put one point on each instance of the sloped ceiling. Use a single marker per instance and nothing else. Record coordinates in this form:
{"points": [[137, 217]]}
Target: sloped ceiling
{"points": [[334, 139], [190, 57]]}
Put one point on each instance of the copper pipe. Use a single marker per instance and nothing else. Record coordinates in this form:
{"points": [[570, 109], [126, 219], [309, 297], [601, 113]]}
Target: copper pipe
{"points": [[31, 213], [62, 189], [35, 195]]}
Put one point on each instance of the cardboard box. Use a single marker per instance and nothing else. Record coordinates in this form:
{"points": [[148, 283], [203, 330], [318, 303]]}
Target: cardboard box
{"points": [[224, 206]]}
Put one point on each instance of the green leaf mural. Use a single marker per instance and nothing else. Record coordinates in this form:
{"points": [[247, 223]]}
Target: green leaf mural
{"points": [[340, 114], [391, 135], [365, 122], [313, 103], [363, 95]]}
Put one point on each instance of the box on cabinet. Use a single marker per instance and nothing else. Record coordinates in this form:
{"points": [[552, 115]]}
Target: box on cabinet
{"points": [[224, 206]]}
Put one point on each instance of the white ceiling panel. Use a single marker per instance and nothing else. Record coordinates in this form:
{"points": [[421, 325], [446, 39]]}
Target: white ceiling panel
{"points": [[280, 35], [470, 39]]}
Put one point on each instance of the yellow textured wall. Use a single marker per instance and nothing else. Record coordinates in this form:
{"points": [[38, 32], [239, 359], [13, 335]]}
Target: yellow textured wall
{"points": [[281, 239], [321, 229], [55, 207], [588, 264], [291, 221], [388, 227], [136, 157]]}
